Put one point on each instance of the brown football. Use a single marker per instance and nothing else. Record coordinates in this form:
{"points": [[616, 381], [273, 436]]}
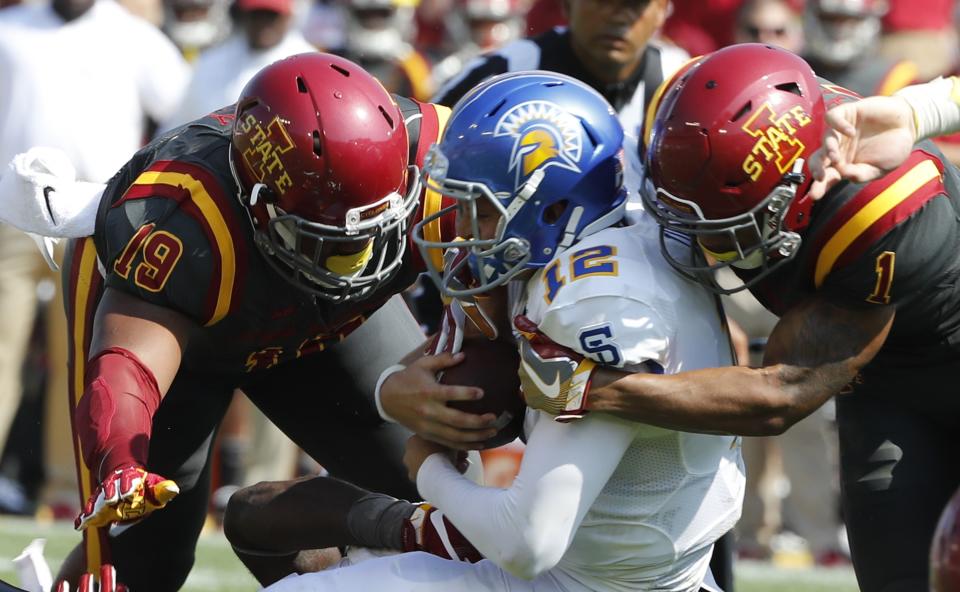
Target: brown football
{"points": [[491, 366]]}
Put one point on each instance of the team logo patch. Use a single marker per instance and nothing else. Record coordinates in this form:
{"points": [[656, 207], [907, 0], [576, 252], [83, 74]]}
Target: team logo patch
{"points": [[776, 141], [544, 135], [266, 146]]}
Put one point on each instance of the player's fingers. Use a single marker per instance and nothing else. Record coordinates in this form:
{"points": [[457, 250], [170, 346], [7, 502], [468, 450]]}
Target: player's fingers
{"points": [[453, 444], [453, 392], [820, 186], [818, 163], [840, 119], [463, 420], [859, 172], [440, 361], [86, 583], [160, 493], [108, 578]]}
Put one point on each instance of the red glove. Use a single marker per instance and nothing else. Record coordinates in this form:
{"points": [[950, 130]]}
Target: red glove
{"points": [[553, 377], [428, 530], [450, 336], [108, 582], [127, 495]]}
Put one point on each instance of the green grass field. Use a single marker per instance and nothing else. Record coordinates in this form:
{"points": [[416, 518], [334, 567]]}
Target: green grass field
{"points": [[217, 570]]}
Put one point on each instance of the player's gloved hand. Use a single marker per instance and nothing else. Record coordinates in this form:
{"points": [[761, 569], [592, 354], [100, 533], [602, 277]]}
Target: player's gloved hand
{"points": [[457, 310], [128, 494], [108, 582], [553, 377], [428, 530]]}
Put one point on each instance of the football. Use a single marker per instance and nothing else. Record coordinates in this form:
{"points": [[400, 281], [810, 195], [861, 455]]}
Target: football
{"points": [[491, 366]]}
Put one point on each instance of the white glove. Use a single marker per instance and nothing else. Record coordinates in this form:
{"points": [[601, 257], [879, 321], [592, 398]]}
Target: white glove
{"points": [[40, 194]]}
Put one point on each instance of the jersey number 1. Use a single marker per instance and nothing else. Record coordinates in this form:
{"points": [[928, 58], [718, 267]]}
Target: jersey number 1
{"points": [[884, 269]]}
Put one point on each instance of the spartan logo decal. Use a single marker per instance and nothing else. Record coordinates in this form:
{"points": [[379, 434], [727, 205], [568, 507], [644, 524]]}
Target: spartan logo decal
{"points": [[544, 135]]}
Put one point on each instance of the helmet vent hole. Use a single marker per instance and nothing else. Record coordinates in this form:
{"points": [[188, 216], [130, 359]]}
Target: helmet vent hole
{"points": [[301, 85], [591, 132], [743, 111], [386, 116], [343, 71], [552, 84], [496, 108], [790, 87], [317, 146]]}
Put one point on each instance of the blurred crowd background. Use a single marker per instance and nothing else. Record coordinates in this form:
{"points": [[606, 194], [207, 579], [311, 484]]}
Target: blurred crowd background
{"points": [[175, 60]]}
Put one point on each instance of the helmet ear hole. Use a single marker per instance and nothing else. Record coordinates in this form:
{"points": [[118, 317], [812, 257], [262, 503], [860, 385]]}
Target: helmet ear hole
{"points": [[747, 107], [317, 144], [553, 212]]}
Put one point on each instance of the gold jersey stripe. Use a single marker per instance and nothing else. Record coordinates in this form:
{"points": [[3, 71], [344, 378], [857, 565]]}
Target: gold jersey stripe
{"points": [[922, 173], [214, 218], [901, 75], [85, 275]]}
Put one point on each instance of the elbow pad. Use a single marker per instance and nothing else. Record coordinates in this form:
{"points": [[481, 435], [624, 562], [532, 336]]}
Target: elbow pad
{"points": [[114, 416]]}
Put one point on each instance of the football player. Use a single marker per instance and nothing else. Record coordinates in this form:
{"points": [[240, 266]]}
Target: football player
{"points": [[535, 164], [864, 281], [240, 251]]}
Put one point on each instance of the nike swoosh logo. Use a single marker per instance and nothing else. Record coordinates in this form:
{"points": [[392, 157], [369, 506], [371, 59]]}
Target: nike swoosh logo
{"points": [[46, 198], [551, 390]]}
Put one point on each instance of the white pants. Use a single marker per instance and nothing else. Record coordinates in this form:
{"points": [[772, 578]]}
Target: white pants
{"points": [[423, 572]]}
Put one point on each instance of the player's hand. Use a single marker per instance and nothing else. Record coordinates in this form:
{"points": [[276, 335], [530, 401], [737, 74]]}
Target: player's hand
{"points": [[417, 451], [108, 582], [553, 378], [416, 400], [430, 531], [127, 495], [457, 274], [863, 140]]}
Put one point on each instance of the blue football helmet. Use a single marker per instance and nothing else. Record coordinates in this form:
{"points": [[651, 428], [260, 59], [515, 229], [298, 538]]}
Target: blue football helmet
{"points": [[525, 142]]}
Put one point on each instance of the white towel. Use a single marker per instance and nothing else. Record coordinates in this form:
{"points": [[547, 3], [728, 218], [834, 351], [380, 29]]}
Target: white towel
{"points": [[40, 194], [32, 568]]}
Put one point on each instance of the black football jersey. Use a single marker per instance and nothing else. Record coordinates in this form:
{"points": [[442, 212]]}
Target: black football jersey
{"points": [[171, 230], [893, 241]]}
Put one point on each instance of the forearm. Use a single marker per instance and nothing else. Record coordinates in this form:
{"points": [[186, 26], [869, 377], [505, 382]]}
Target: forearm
{"points": [[730, 400], [527, 528], [114, 416], [935, 106]]}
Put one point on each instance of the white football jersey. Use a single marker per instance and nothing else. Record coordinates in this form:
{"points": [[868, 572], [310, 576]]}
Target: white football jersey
{"points": [[614, 298]]}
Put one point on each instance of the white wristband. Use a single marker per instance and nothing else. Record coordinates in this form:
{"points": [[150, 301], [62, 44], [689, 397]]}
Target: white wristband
{"points": [[376, 391], [934, 105]]}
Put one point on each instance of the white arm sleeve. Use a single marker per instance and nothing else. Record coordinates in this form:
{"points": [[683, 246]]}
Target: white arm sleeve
{"points": [[936, 106], [527, 528]]}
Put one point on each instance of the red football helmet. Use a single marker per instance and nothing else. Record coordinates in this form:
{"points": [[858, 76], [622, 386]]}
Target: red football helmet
{"points": [[945, 551], [727, 160], [321, 155]]}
